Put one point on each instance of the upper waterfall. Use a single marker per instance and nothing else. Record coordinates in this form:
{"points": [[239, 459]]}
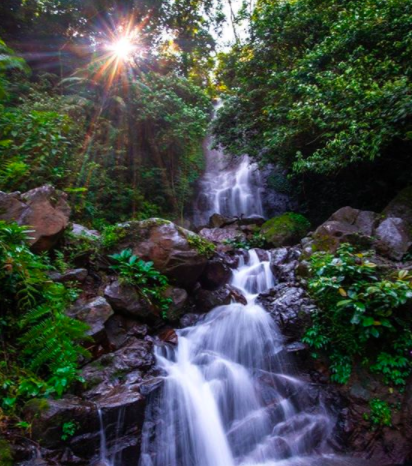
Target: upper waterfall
{"points": [[228, 187]]}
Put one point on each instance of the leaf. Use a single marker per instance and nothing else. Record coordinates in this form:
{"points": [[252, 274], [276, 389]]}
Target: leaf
{"points": [[342, 292], [368, 321]]}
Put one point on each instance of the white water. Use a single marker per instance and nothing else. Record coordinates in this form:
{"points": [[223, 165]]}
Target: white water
{"points": [[230, 188], [230, 396]]}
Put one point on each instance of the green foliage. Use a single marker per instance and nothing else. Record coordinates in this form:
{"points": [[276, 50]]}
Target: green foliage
{"points": [[380, 413], [68, 430], [42, 344], [319, 84], [202, 246], [255, 241], [149, 282], [357, 305]]}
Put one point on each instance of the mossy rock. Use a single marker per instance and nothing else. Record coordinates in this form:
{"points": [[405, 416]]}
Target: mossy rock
{"points": [[285, 230]]}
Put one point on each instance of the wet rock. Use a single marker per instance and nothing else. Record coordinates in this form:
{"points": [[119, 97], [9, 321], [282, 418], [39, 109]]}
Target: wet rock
{"points": [[134, 357], [394, 238], [218, 221], [216, 274], [206, 300], [284, 263], [401, 207], [285, 230], [219, 235], [175, 252], [94, 313], [81, 231], [168, 335], [290, 307], [44, 209], [125, 300], [179, 298], [189, 320], [120, 329], [73, 275]]}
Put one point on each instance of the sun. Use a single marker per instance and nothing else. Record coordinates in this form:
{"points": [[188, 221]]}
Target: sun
{"points": [[122, 48]]}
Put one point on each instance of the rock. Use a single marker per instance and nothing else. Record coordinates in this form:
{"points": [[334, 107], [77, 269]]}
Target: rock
{"points": [[168, 335], [179, 299], [134, 357], [120, 329], [347, 225], [284, 263], [94, 313], [73, 275], [189, 320], [177, 253], [219, 235], [44, 209], [394, 238], [401, 207], [206, 300], [125, 300], [218, 221], [290, 307], [285, 230], [81, 231], [216, 274]]}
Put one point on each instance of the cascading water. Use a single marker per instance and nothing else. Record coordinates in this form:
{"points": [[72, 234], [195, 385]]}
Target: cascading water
{"points": [[230, 188], [230, 395]]}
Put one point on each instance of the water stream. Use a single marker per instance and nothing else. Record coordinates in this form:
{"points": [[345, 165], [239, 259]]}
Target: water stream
{"points": [[231, 395], [231, 188]]}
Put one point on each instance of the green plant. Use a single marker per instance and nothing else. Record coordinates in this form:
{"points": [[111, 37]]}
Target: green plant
{"points": [[6, 457], [380, 413], [42, 344], [358, 304], [111, 235], [202, 246], [68, 430], [149, 282]]}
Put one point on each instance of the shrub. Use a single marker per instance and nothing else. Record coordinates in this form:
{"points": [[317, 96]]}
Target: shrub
{"points": [[357, 305], [149, 282], [42, 344]]}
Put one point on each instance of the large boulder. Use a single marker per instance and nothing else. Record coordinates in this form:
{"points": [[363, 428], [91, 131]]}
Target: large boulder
{"points": [[216, 274], [177, 253], [347, 225], [95, 312], [126, 301], [43, 209], [178, 300], [285, 230], [220, 235], [394, 238], [401, 207]]}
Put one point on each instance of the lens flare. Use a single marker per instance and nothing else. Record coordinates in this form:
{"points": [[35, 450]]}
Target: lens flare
{"points": [[122, 48]]}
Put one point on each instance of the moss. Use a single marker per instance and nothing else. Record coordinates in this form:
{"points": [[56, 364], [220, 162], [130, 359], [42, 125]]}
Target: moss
{"points": [[6, 456], [286, 229], [203, 247]]}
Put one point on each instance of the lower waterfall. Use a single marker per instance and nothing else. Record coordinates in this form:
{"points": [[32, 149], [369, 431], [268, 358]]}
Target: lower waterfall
{"points": [[231, 396]]}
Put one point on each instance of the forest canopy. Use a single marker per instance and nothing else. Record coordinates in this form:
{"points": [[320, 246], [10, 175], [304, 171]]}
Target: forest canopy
{"points": [[319, 85]]}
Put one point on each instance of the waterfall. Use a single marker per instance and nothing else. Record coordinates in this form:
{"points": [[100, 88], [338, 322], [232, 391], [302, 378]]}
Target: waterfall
{"points": [[230, 188], [231, 395]]}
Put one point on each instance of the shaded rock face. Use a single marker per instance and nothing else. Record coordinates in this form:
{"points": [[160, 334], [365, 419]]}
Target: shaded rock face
{"points": [[219, 235], [125, 300], [394, 238], [73, 275], [172, 249], [95, 313], [44, 209], [179, 299], [390, 236], [216, 274]]}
